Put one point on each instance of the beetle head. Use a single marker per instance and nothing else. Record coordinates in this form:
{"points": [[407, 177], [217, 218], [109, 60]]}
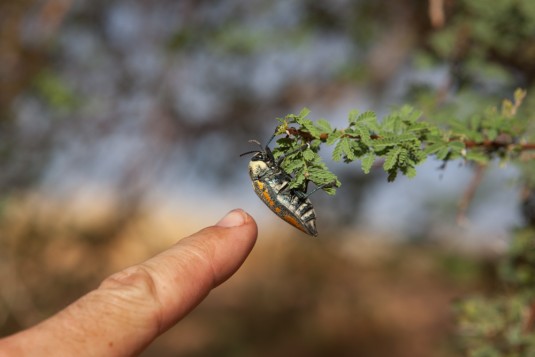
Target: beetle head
{"points": [[264, 154]]}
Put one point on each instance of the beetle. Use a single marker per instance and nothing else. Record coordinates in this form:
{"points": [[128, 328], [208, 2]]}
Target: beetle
{"points": [[271, 184]]}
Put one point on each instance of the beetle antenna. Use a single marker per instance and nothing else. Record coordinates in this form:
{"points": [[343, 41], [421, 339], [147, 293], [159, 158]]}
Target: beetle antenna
{"points": [[270, 139], [325, 185], [254, 151], [257, 143], [249, 152]]}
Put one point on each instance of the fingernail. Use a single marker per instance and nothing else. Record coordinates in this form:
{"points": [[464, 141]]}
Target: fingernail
{"points": [[234, 218]]}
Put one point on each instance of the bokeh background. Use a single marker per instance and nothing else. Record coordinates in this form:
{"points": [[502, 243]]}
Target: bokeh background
{"points": [[121, 125]]}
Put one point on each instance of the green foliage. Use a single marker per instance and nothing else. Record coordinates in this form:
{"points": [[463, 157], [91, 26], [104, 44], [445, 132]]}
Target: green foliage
{"points": [[301, 158], [402, 141], [502, 325], [517, 267], [495, 327], [500, 29]]}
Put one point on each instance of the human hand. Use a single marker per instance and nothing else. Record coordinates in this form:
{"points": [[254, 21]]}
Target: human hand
{"points": [[134, 306]]}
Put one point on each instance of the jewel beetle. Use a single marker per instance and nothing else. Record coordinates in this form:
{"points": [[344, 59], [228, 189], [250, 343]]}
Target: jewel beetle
{"points": [[271, 184]]}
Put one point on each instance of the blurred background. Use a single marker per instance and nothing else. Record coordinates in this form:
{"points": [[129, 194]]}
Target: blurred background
{"points": [[121, 125]]}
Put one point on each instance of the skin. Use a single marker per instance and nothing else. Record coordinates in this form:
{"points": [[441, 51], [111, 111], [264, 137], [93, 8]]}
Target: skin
{"points": [[134, 306]]}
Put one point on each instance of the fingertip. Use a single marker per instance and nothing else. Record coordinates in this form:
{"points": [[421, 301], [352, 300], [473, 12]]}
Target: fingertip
{"points": [[238, 218], [227, 243], [235, 218]]}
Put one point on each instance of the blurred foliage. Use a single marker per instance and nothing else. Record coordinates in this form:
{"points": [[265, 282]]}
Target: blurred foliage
{"points": [[495, 327], [489, 39], [503, 324], [54, 91], [491, 49]]}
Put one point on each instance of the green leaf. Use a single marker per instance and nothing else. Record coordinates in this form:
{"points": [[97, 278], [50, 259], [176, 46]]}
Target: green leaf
{"points": [[409, 171], [310, 127], [402, 156], [406, 137], [364, 134], [479, 157], [418, 156], [419, 127], [305, 123], [304, 112], [293, 165], [309, 155], [443, 153], [346, 148], [409, 114], [331, 191], [367, 116], [299, 180], [324, 125], [337, 151], [353, 116], [369, 120], [385, 141], [334, 136], [392, 174], [390, 122], [456, 146], [435, 147], [391, 158], [367, 161]]}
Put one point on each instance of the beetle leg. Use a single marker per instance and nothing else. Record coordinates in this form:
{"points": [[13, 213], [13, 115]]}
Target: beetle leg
{"points": [[281, 159], [328, 184], [284, 187]]}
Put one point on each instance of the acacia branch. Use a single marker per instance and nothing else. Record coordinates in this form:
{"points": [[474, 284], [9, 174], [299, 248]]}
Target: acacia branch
{"points": [[498, 143], [323, 136]]}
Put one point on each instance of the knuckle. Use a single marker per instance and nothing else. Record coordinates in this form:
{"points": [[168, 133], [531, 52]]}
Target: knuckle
{"points": [[135, 288]]}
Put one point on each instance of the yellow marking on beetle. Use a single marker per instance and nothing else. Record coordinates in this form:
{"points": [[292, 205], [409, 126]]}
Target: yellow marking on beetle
{"points": [[265, 193]]}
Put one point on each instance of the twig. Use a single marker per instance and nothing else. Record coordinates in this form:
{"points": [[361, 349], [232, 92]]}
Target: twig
{"points": [[489, 144], [497, 145], [468, 196], [436, 13], [530, 320], [323, 136]]}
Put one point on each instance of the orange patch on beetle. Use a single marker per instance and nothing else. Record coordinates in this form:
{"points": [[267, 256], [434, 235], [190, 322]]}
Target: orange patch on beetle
{"points": [[265, 193], [294, 222], [267, 198]]}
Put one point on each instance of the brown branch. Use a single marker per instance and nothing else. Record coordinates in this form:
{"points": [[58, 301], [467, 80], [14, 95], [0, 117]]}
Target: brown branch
{"points": [[305, 135], [490, 144], [498, 143], [323, 136], [469, 194], [530, 320], [436, 13]]}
